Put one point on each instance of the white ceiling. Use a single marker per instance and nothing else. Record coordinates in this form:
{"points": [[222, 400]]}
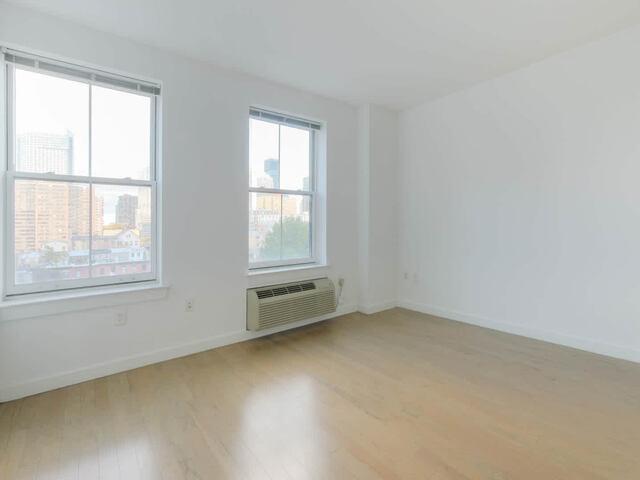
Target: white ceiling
{"points": [[393, 53]]}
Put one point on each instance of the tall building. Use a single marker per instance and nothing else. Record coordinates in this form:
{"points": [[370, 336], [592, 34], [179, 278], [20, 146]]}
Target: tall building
{"points": [[41, 215], [143, 215], [268, 202], [289, 205], [47, 214], [126, 210], [272, 168], [24, 218], [45, 152], [54, 213], [97, 219], [79, 217]]}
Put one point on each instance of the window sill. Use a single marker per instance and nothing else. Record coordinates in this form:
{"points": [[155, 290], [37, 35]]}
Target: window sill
{"points": [[292, 273], [37, 305]]}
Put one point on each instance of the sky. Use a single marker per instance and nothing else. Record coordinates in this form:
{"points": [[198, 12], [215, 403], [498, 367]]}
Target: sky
{"points": [[293, 152]]}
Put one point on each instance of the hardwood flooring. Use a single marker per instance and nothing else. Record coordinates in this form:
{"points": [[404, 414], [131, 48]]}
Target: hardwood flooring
{"points": [[395, 395]]}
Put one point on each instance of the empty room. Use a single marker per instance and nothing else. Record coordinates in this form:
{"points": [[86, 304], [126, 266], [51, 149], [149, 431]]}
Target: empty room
{"points": [[279, 239]]}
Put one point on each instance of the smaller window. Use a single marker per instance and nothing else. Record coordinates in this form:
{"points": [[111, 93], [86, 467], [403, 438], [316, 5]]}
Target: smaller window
{"points": [[282, 193]]}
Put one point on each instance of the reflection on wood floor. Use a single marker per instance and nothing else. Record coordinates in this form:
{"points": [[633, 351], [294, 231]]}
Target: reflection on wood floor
{"points": [[393, 395]]}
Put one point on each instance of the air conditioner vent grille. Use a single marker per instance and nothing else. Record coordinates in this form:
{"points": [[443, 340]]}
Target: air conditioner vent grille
{"points": [[277, 291], [286, 303]]}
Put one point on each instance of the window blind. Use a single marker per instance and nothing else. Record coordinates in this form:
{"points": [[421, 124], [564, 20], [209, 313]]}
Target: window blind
{"points": [[37, 63], [283, 119]]}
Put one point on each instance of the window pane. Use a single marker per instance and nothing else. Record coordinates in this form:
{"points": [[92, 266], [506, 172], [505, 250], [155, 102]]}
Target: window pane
{"points": [[264, 163], [122, 231], [51, 125], [51, 240], [264, 227], [120, 134], [294, 158], [296, 231], [279, 227]]}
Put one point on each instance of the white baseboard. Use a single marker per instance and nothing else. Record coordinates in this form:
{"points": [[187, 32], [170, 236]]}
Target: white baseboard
{"points": [[43, 384], [376, 307], [594, 346]]}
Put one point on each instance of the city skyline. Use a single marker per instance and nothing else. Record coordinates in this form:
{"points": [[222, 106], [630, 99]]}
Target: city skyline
{"points": [[279, 158], [56, 235], [270, 209]]}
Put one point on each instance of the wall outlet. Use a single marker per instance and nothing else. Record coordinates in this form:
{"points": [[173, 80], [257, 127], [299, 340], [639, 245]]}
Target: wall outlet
{"points": [[120, 319], [341, 282], [189, 305]]}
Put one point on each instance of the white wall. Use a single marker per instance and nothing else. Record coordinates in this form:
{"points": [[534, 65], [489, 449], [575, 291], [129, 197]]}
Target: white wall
{"points": [[205, 176], [377, 207], [520, 201]]}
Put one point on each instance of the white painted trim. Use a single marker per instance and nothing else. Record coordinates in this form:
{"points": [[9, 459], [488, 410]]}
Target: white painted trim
{"points": [[376, 307], [43, 384], [54, 177], [274, 270], [292, 262], [38, 305], [594, 346], [284, 275]]}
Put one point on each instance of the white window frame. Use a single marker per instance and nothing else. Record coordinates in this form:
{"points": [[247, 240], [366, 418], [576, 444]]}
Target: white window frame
{"points": [[10, 288], [314, 129]]}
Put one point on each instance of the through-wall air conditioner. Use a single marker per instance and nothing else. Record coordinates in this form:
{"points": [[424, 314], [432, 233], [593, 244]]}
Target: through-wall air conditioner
{"points": [[289, 302]]}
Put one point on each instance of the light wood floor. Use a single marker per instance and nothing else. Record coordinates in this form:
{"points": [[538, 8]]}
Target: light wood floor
{"points": [[393, 395]]}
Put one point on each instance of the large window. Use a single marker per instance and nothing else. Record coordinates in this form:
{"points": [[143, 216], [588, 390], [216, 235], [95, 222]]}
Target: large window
{"points": [[81, 181], [282, 189]]}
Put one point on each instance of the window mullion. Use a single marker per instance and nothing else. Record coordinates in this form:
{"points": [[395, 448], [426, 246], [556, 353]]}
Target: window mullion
{"points": [[311, 227], [11, 115], [153, 138], [281, 228], [279, 162], [312, 198], [312, 176], [90, 259]]}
